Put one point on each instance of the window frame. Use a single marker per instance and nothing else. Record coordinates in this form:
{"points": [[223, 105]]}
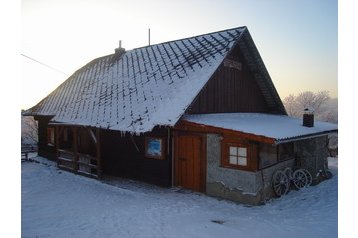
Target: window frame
{"points": [[225, 154], [149, 155]]}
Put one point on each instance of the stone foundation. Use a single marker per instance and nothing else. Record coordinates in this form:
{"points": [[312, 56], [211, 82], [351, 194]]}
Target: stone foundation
{"points": [[254, 187]]}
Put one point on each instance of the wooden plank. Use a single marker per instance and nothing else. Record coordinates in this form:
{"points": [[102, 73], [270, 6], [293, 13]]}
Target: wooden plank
{"points": [[75, 146], [57, 142], [93, 136], [88, 165], [80, 155], [98, 153], [195, 127], [65, 159], [66, 168], [88, 174], [231, 90], [66, 151]]}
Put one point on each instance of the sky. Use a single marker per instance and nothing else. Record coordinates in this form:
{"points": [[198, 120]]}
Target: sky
{"points": [[297, 40]]}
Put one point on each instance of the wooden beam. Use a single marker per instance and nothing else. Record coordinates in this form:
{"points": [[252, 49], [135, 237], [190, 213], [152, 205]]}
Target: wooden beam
{"points": [[75, 147], [196, 127], [93, 136], [98, 153], [57, 141], [58, 132]]}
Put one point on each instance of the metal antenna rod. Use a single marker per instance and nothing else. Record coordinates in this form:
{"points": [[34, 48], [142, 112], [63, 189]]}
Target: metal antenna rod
{"points": [[148, 36]]}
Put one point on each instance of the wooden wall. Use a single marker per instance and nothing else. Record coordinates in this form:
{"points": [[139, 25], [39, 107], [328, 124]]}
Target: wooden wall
{"points": [[44, 149], [121, 158], [230, 90]]}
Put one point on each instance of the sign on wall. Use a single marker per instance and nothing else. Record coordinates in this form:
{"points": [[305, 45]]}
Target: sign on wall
{"points": [[154, 148]]}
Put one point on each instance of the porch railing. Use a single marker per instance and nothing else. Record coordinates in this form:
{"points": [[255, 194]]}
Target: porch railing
{"points": [[78, 163]]}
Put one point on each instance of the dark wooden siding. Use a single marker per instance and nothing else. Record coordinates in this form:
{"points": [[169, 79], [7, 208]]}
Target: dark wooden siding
{"points": [[44, 149], [230, 90], [121, 158]]}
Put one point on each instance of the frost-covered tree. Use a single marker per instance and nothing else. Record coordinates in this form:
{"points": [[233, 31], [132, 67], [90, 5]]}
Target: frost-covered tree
{"points": [[29, 130], [318, 101]]}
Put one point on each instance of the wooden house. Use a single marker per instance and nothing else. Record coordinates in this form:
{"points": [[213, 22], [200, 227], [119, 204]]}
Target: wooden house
{"points": [[200, 113]]}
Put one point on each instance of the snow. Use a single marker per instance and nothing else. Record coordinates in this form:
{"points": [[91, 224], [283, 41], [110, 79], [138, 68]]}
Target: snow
{"points": [[142, 88], [278, 127], [56, 203]]}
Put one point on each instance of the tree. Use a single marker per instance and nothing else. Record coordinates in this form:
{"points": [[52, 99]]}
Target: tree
{"points": [[29, 129], [317, 101]]}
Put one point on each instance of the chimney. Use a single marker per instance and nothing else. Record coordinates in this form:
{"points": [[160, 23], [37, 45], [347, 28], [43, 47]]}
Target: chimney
{"points": [[119, 51], [308, 117]]}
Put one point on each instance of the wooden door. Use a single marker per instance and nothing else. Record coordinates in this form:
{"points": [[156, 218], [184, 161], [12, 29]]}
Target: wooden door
{"points": [[189, 162]]}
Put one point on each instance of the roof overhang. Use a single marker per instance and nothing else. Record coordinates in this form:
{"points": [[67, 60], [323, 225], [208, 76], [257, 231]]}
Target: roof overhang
{"points": [[266, 128]]}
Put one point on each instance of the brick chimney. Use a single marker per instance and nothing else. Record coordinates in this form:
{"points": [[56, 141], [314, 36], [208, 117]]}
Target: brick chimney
{"points": [[308, 117]]}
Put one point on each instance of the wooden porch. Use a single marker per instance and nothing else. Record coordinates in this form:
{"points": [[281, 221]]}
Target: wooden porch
{"points": [[78, 150]]}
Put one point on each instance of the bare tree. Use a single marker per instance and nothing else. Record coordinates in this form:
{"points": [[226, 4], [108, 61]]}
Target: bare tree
{"points": [[291, 106], [309, 99], [29, 130], [296, 104]]}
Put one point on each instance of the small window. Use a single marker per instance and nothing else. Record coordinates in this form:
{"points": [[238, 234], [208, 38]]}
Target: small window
{"points": [[51, 136], [235, 155], [238, 156], [154, 148]]}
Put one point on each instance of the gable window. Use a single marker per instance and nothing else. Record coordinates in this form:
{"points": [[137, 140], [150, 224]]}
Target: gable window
{"points": [[235, 155], [51, 136]]}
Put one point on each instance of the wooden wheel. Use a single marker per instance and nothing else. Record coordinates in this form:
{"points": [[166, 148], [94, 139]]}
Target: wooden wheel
{"points": [[299, 179], [280, 183], [288, 172], [309, 177]]}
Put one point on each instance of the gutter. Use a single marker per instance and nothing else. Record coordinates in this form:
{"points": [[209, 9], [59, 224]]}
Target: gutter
{"points": [[303, 137]]}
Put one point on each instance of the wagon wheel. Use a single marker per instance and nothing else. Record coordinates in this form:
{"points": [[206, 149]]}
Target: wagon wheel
{"points": [[299, 178], [288, 172], [309, 177], [280, 183]]}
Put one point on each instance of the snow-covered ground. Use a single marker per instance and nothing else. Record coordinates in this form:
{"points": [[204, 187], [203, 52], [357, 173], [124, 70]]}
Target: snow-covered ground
{"points": [[56, 203]]}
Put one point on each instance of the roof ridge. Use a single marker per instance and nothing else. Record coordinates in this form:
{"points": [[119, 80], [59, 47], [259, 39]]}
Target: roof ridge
{"points": [[243, 27]]}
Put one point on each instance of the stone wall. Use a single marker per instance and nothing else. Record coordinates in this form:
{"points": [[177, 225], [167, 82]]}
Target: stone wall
{"points": [[254, 187], [237, 185], [312, 154]]}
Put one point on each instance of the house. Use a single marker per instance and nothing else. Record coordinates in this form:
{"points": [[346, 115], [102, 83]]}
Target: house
{"points": [[200, 113]]}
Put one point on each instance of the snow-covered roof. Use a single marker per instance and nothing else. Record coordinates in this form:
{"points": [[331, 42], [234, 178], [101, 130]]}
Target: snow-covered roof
{"points": [[281, 128], [148, 86]]}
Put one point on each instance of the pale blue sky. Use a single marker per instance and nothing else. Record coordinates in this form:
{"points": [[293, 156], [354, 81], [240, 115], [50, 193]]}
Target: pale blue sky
{"points": [[298, 40]]}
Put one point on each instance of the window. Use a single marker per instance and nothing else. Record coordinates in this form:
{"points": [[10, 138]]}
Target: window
{"points": [[236, 155], [154, 148], [51, 136]]}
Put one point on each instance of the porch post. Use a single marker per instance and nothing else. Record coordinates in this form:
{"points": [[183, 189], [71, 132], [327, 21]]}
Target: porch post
{"points": [[57, 141], [98, 153], [75, 148]]}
